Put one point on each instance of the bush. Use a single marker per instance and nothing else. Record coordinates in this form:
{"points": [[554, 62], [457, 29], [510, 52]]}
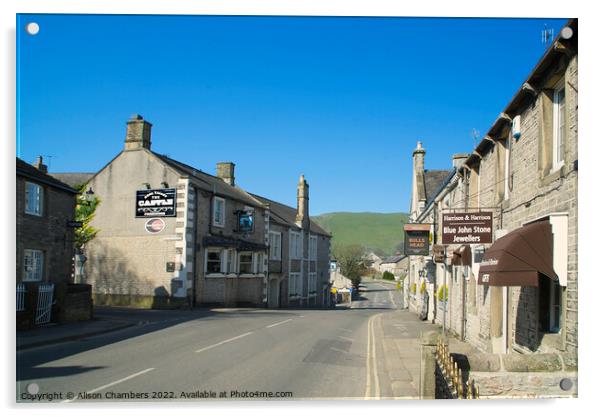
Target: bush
{"points": [[388, 276]]}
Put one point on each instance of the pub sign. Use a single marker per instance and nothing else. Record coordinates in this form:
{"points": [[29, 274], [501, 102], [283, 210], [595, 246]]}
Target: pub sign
{"points": [[156, 203], [417, 237], [467, 228]]}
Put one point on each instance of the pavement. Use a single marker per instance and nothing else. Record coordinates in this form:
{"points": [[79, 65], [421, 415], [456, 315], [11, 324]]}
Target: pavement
{"points": [[367, 350]]}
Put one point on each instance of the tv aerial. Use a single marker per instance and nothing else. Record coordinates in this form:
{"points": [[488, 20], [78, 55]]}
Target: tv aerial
{"points": [[547, 34]]}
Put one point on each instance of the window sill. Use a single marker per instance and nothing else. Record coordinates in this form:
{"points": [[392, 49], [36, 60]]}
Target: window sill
{"points": [[221, 226], [251, 276], [553, 175], [34, 215]]}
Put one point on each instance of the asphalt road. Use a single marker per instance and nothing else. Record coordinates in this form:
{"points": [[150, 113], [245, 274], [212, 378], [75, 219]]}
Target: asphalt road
{"points": [[222, 353]]}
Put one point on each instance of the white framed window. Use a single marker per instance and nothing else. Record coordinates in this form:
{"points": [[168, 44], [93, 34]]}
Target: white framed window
{"points": [[33, 265], [313, 248], [479, 187], [294, 284], [559, 127], [213, 261], [258, 267], [34, 199], [245, 263], [230, 261], [506, 146], [296, 245], [219, 211], [275, 246], [313, 279]]}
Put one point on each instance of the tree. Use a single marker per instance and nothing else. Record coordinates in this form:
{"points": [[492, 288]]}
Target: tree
{"points": [[84, 213], [352, 262]]}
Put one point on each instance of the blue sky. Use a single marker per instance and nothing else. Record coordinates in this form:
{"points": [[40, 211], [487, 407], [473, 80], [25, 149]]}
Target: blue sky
{"points": [[341, 100]]}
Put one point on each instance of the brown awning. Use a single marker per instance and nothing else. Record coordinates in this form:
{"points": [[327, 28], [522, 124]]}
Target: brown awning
{"points": [[518, 258], [462, 256]]}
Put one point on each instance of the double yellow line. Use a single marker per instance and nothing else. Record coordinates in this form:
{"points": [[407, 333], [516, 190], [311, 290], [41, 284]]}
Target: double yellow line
{"points": [[372, 382]]}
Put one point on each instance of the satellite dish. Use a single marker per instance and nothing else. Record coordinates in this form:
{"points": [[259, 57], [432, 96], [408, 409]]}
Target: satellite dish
{"points": [[566, 33]]}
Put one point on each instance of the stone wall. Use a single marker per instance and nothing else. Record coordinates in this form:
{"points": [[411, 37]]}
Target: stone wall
{"points": [[48, 233]]}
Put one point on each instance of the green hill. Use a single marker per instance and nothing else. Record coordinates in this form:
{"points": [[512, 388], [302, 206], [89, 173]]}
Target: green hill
{"points": [[381, 232]]}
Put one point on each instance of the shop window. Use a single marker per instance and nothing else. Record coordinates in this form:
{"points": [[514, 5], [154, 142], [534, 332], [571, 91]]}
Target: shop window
{"points": [[550, 299], [245, 263], [34, 199], [214, 261], [219, 209], [33, 263]]}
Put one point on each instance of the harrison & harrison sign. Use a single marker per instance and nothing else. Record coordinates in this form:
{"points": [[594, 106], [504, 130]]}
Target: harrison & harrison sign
{"points": [[467, 228]]}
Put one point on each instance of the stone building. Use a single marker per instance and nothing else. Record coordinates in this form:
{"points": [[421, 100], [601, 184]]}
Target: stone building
{"points": [[44, 240], [518, 294], [45, 248], [171, 234], [396, 264]]}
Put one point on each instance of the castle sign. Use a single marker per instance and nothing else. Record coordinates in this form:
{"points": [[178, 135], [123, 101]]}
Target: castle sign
{"points": [[467, 228], [156, 203]]}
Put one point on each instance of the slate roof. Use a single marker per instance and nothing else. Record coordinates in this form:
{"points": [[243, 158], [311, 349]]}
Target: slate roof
{"points": [[210, 182], [73, 178], [393, 259], [29, 171], [283, 214], [433, 179]]}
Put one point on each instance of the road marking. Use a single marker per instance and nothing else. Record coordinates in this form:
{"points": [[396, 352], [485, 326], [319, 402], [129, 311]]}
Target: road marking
{"points": [[345, 330], [368, 353], [110, 384], [374, 363], [346, 338], [223, 342], [371, 365], [278, 324], [338, 350]]}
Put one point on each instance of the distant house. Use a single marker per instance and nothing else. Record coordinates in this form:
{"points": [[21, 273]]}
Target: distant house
{"points": [[373, 260], [397, 265]]}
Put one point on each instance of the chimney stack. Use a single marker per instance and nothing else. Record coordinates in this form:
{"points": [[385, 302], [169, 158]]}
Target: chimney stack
{"points": [[302, 218], [138, 133], [39, 165], [458, 159], [225, 171]]}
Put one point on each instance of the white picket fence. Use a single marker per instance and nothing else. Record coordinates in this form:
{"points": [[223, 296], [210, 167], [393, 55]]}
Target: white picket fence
{"points": [[45, 298], [21, 291]]}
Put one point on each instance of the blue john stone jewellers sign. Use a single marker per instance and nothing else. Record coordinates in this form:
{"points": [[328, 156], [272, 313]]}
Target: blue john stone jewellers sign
{"points": [[156, 203]]}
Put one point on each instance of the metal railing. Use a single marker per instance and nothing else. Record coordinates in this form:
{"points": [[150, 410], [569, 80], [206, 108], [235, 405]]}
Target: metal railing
{"points": [[450, 383], [21, 291], [45, 299]]}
